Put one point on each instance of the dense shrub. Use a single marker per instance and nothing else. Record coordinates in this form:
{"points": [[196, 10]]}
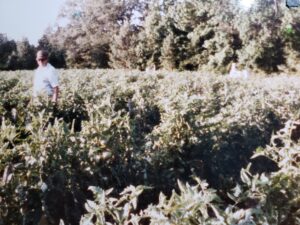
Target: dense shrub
{"points": [[117, 128], [267, 198]]}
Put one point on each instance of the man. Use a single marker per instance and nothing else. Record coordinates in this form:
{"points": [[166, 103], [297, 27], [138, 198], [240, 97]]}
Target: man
{"points": [[45, 78]]}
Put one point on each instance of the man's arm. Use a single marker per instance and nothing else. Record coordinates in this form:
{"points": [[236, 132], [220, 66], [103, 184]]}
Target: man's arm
{"points": [[55, 94]]}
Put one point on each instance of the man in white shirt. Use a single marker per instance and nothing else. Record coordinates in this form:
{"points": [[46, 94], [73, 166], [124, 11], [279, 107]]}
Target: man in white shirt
{"points": [[45, 78]]}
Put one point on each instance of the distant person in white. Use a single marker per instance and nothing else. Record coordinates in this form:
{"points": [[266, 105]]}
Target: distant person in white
{"points": [[235, 73], [45, 78]]}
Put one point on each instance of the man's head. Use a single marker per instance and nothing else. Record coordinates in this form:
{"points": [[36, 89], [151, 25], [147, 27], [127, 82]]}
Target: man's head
{"points": [[42, 58]]}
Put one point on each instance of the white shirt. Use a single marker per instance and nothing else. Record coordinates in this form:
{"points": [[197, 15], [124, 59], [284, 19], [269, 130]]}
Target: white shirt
{"points": [[234, 73], [45, 79]]}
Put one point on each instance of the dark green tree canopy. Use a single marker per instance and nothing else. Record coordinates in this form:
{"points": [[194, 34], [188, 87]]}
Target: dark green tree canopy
{"points": [[174, 35]]}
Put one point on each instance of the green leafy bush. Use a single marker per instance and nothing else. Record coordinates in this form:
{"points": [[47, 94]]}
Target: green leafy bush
{"points": [[118, 129]]}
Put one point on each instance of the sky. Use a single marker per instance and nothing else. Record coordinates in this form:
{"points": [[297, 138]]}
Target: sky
{"points": [[28, 18]]}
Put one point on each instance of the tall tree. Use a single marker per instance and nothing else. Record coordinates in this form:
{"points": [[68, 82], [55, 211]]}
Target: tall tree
{"points": [[261, 31], [26, 55], [151, 37], [122, 54], [185, 34], [92, 25], [56, 54], [7, 49]]}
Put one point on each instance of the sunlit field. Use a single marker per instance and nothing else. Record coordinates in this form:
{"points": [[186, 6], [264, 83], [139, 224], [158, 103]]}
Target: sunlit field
{"points": [[130, 147]]}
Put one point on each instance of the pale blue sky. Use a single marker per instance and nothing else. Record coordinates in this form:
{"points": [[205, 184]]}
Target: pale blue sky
{"points": [[28, 18]]}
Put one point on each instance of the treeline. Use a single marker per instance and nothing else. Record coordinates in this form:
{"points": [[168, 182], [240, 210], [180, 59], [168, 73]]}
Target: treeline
{"points": [[16, 55], [177, 35], [20, 55]]}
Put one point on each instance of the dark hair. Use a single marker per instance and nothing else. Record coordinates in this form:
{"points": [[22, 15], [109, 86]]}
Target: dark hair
{"points": [[43, 53]]}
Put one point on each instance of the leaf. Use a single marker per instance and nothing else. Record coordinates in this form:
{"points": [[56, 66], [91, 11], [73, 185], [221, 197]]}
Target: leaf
{"points": [[86, 220], [181, 186], [237, 191], [232, 197], [7, 174], [245, 178], [90, 206]]}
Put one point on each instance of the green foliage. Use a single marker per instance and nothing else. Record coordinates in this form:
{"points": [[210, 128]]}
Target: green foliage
{"points": [[172, 35], [260, 199], [117, 211], [195, 204], [16, 55], [122, 49], [273, 53], [86, 40], [25, 54], [150, 38], [56, 56], [121, 128], [6, 48], [178, 35]]}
